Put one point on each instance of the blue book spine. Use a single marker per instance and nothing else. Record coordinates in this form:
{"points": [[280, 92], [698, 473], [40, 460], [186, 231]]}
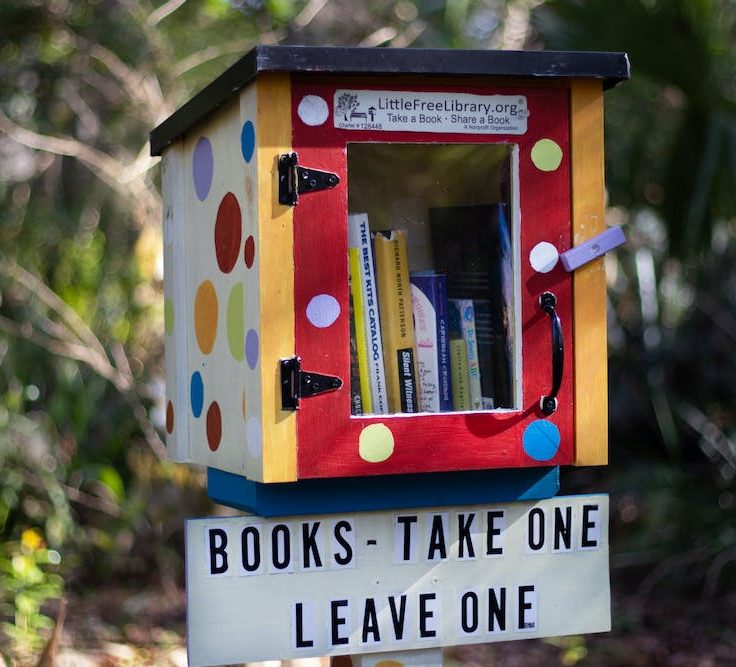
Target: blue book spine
{"points": [[429, 301]]}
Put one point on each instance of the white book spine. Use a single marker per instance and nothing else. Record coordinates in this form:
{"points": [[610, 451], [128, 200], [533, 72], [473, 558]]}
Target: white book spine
{"points": [[425, 331], [467, 323], [359, 236]]}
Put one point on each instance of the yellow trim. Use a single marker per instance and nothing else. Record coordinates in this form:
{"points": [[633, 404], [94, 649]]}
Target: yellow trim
{"points": [[276, 261], [589, 281]]}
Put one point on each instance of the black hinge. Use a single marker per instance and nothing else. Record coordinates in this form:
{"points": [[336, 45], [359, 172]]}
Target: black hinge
{"points": [[295, 180], [296, 383]]}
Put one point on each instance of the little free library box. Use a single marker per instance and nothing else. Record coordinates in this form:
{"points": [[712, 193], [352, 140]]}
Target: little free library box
{"points": [[384, 289]]}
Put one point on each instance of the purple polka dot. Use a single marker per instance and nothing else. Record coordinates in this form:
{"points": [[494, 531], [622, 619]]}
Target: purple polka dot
{"points": [[202, 167], [251, 348]]}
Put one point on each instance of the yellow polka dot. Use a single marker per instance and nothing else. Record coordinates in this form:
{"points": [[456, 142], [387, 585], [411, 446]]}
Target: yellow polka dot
{"points": [[376, 443], [546, 155], [389, 663], [205, 316]]}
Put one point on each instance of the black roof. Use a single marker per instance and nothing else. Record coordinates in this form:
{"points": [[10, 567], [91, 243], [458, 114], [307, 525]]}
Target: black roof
{"points": [[611, 67]]}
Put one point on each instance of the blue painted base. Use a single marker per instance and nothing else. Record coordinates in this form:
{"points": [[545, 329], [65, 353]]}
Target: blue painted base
{"points": [[354, 494]]}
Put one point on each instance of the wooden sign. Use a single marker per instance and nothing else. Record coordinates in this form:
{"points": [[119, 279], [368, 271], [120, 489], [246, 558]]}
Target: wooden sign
{"points": [[261, 589]]}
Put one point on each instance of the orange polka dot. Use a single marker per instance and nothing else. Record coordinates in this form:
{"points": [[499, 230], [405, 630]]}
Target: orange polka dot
{"points": [[205, 316]]}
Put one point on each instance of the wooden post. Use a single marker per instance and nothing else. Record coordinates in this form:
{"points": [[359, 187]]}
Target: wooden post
{"points": [[426, 658]]}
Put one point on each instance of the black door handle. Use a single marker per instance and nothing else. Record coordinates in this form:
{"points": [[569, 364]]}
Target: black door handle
{"points": [[547, 302]]}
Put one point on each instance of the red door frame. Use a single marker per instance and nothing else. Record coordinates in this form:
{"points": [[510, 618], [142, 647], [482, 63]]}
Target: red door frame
{"points": [[328, 437]]}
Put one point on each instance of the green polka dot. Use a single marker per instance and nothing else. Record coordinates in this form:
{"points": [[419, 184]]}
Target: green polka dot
{"points": [[376, 443], [236, 323], [546, 155], [168, 317]]}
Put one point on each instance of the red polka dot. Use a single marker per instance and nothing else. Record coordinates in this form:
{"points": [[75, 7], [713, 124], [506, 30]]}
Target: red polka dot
{"points": [[228, 232], [250, 251], [169, 417], [214, 426]]}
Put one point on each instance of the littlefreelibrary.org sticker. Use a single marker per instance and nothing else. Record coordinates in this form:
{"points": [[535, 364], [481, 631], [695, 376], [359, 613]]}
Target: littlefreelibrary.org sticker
{"points": [[408, 111]]}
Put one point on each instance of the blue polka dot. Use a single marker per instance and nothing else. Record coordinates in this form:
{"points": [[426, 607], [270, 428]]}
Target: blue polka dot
{"points": [[248, 140], [541, 440], [197, 394]]}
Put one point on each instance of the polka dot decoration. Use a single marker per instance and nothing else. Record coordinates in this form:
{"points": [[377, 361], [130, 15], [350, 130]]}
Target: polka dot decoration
{"points": [[543, 257], [248, 140], [196, 394], [376, 443], [253, 437], [313, 110], [249, 251], [205, 316], [203, 163], [541, 440], [168, 316], [214, 426], [390, 663], [228, 233], [251, 348], [323, 310], [546, 155], [235, 324], [169, 417]]}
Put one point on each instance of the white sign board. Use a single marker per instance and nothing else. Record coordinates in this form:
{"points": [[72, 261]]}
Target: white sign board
{"points": [[261, 589], [411, 111]]}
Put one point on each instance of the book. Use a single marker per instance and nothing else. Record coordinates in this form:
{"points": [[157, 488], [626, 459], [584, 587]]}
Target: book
{"points": [[397, 322], [359, 237], [360, 386], [472, 245], [466, 313], [459, 374], [429, 305]]}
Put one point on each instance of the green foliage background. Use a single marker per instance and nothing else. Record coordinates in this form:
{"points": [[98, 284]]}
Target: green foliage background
{"points": [[85, 494]]}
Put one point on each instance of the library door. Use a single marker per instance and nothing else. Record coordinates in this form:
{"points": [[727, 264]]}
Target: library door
{"points": [[426, 279]]}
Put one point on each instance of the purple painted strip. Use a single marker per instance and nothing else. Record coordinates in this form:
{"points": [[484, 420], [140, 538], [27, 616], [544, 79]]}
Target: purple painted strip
{"points": [[593, 248]]}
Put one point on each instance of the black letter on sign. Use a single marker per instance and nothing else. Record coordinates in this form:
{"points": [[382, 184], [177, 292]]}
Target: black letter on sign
{"points": [[563, 528], [216, 550], [588, 523], [300, 641], [341, 559], [469, 612], [398, 616], [492, 532], [497, 609], [523, 607], [336, 621], [250, 563], [309, 540], [425, 615], [536, 533], [283, 562], [437, 539], [465, 521], [407, 521], [370, 621]]}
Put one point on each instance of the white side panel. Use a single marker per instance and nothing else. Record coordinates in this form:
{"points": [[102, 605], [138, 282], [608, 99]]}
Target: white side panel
{"points": [[221, 382], [176, 319], [377, 582]]}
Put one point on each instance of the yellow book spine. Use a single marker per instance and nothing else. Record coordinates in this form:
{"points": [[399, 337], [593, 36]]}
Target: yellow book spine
{"points": [[459, 374], [397, 323], [361, 343]]}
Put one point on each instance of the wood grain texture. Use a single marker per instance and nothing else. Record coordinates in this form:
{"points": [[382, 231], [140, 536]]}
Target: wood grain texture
{"points": [[589, 281], [273, 132]]}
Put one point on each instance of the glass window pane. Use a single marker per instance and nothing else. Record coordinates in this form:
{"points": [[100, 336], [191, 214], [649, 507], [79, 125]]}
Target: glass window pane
{"points": [[431, 229]]}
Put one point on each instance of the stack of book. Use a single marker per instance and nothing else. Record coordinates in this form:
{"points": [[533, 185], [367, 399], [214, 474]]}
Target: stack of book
{"points": [[435, 340]]}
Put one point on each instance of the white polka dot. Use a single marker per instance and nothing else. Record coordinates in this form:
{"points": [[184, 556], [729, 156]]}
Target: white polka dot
{"points": [[313, 110], [253, 438], [543, 257], [323, 310]]}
